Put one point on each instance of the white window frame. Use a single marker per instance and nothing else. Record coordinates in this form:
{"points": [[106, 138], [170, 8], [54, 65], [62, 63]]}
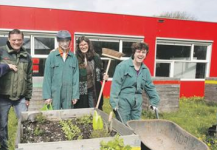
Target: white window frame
{"points": [[33, 45], [184, 42]]}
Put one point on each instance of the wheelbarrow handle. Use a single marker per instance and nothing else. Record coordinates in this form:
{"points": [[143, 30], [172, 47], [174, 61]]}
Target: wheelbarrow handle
{"points": [[155, 110], [118, 115], [156, 113]]}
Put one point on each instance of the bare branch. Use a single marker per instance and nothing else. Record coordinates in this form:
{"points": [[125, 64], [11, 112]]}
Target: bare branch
{"points": [[177, 15]]}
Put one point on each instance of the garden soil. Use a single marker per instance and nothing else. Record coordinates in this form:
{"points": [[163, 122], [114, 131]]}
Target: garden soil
{"points": [[51, 131]]}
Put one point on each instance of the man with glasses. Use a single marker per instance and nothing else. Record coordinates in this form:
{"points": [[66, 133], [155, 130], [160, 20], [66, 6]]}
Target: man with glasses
{"points": [[16, 84], [61, 76]]}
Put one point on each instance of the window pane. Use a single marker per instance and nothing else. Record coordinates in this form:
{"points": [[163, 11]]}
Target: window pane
{"points": [[127, 48], [184, 70], [43, 46], [113, 65], [98, 45], [200, 52], [173, 52], [200, 71], [38, 66], [3, 41], [27, 45], [189, 70], [162, 70]]}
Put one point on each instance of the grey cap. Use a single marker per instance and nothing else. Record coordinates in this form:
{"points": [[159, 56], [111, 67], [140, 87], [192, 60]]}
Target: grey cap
{"points": [[63, 34]]}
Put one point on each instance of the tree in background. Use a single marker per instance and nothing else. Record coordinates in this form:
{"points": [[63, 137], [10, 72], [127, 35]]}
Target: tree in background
{"points": [[177, 15]]}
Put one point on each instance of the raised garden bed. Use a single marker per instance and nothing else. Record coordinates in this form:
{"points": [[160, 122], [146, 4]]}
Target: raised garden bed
{"points": [[42, 130], [29, 131]]}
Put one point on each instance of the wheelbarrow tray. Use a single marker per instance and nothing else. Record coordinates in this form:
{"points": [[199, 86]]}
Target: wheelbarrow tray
{"points": [[157, 134]]}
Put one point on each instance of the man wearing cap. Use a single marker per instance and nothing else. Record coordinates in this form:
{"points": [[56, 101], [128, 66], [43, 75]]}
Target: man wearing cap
{"points": [[61, 76], [16, 84]]}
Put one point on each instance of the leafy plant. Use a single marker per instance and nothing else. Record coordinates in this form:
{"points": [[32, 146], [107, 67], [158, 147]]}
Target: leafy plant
{"points": [[38, 131], [71, 131], [116, 144], [97, 121], [211, 142], [86, 119], [40, 118], [99, 133]]}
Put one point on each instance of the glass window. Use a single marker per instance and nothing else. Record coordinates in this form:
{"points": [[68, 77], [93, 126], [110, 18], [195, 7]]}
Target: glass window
{"points": [[127, 48], [98, 45], [189, 70], [162, 69], [200, 52], [173, 52], [43, 45], [3, 41], [27, 44], [183, 59], [200, 70], [185, 70], [112, 67]]}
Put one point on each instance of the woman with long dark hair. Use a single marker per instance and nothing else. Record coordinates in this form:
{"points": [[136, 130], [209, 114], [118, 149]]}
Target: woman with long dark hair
{"points": [[90, 74]]}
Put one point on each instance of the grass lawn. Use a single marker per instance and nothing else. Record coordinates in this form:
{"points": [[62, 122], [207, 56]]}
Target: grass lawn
{"points": [[12, 129], [194, 115]]}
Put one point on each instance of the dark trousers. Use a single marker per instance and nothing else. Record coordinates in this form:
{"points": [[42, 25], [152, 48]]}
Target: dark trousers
{"points": [[5, 105]]}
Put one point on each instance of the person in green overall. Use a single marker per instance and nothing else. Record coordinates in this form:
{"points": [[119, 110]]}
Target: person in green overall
{"points": [[61, 76], [131, 77]]}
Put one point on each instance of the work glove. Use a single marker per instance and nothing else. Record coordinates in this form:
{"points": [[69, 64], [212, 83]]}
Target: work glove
{"points": [[153, 107]]}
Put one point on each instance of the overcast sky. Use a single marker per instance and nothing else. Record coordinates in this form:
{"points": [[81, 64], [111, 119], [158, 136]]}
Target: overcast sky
{"points": [[203, 10]]}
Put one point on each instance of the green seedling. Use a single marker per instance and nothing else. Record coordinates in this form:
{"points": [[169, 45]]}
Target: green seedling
{"points": [[38, 131], [116, 144], [86, 119], [40, 118], [71, 131], [99, 133]]}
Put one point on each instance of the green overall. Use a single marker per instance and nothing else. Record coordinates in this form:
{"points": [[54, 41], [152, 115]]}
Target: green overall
{"points": [[126, 90], [61, 80]]}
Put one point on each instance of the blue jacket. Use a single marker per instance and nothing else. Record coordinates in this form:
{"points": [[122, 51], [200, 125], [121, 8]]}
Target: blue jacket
{"points": [[4, 68]]}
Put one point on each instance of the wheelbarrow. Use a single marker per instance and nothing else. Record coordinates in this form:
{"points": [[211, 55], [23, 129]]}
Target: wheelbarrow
{"points": [[158, 134]]}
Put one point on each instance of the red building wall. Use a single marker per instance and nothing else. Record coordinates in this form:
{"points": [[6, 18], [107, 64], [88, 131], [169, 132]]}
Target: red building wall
{"points": [[77, 21]]}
